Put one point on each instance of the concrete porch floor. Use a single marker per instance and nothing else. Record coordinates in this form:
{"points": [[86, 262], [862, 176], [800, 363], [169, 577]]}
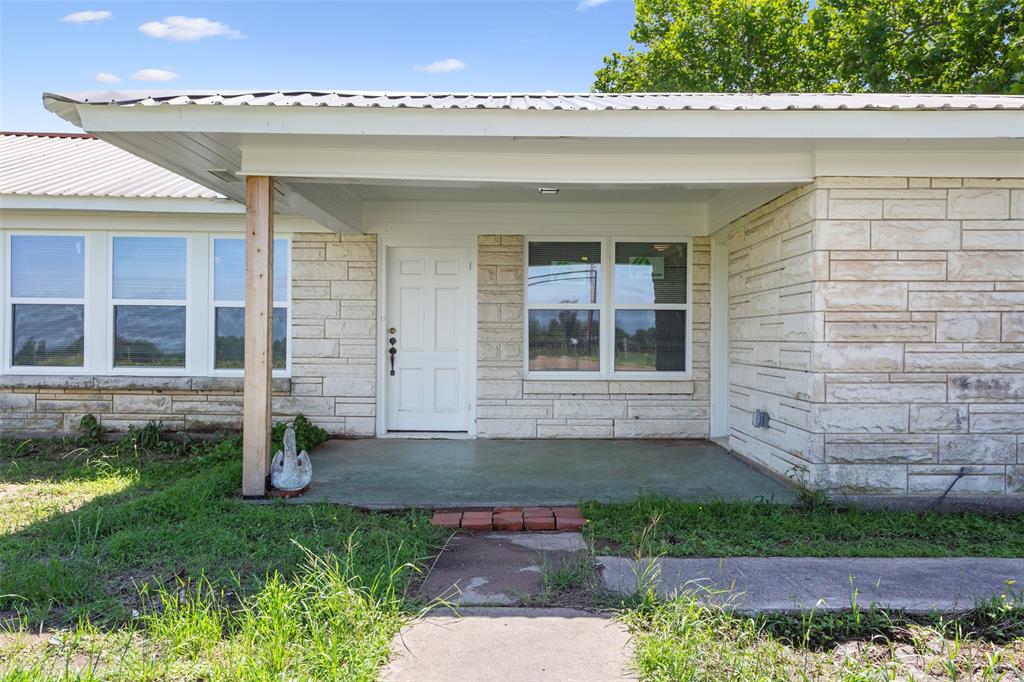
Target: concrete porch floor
{"points": [[395, 473]]}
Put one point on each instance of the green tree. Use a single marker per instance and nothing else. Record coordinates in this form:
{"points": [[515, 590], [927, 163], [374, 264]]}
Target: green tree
{"points": [[838, 45]]}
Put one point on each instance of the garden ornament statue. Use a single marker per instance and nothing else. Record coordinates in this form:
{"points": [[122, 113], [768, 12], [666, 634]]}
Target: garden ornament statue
{"points": [[290, 471]]}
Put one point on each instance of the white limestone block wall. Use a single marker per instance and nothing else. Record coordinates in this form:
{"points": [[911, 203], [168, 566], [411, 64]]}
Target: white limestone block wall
{"points": [[334, 331], [901, 351], [772, 327], [510, 406]]}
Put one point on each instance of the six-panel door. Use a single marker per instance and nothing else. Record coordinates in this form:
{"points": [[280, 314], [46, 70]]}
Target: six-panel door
{"points": [[427, 308]]}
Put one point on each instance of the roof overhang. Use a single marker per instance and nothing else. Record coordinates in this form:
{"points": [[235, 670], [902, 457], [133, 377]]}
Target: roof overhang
{"points": [[324, 155]]}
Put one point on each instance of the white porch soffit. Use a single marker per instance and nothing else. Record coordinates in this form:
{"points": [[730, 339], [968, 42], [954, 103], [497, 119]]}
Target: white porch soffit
{"points": [[326, 147]]}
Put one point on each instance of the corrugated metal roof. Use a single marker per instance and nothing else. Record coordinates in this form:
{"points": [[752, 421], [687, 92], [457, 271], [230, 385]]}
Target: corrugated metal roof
{"points": [[73, 164], [675, 101]]}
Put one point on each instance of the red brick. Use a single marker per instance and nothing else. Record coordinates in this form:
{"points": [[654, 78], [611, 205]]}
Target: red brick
{"points": [[446, 519], [567, 511], [501, 510], [534, 512], [508, 521], [478, 523], [539, 522], [568, 523]]}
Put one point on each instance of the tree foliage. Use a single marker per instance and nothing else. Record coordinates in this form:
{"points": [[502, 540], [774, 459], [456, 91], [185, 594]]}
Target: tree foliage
{"points": [[836, 46]]}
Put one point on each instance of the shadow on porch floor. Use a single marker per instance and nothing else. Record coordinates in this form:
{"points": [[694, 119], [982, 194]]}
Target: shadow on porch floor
{"points": [[394, 473]]}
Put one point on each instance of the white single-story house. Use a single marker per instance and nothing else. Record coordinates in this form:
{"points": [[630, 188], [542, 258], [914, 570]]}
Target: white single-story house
{"points": [[832, 286]]}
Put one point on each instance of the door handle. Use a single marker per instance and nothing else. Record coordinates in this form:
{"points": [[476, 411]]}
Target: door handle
{"points": [[392, 351]]}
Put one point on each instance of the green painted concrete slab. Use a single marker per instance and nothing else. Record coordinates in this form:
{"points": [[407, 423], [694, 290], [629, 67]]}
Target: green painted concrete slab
{"points": [[394, 473]]}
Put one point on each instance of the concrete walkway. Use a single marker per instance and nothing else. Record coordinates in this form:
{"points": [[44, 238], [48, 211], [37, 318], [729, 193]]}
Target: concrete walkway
{"points": [[500, 644], [792, 584], [396, 473]]}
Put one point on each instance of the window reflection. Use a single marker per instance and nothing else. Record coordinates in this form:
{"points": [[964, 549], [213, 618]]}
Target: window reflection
{"points": [[565, 340]]}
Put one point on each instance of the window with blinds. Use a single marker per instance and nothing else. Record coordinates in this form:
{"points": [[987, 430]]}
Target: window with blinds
{"points": [[229, 304], [149, 297], [47, 299]]}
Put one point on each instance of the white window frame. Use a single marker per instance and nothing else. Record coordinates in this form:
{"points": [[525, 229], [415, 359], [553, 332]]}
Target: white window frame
{"points": [[9, 300], [214, 303], [188, 369], [607, 308]]}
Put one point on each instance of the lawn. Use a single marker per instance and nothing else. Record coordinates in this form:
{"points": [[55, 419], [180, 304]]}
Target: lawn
{"points": [[659, 526], [139, 560], [685, 640]]}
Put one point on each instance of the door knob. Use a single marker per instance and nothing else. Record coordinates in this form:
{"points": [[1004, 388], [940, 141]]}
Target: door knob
{"points": [[392, 351]]}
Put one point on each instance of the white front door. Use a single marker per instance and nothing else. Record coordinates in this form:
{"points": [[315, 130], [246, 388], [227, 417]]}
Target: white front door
{"points": [[426, 325]]}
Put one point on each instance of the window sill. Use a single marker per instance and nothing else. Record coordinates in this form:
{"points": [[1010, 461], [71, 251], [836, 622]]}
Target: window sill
{"points": [[133, 383], [586, 376]]}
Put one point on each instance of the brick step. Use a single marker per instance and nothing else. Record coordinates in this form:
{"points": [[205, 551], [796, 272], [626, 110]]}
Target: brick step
{"points": [[510, 518]]}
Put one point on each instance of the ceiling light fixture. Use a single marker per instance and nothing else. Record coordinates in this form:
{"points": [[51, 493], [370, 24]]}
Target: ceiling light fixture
{"points": [[547, 191]]}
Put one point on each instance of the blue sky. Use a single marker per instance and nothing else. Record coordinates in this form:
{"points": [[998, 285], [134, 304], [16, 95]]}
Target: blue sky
{"points": [[480, 45]]}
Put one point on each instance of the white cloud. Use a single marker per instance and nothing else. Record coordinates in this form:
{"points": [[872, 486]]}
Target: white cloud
{"points": [[155, 75], [443, 66], [89, 16], [587, 4], [187, 29], [103, 77]]}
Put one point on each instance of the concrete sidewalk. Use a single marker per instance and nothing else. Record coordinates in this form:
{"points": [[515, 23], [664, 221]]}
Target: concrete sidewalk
{"points": [[793, 584], [500, 644]]}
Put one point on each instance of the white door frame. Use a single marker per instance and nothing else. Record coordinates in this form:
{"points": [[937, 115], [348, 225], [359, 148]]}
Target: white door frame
{"points": [[385, 242]]}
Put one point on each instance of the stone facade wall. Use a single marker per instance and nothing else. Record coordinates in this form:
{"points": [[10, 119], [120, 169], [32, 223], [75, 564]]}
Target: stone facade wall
{"points": [[509, 406], [880, 321], [922, 351], [334, 281], [772, 328], [334, 330]]}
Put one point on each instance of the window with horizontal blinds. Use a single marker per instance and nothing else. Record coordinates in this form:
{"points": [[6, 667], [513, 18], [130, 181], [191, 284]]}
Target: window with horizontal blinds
{"points": [[229, 270], [44, 266], [152, 268], [149, 289], [47, 300], [229, 304]]}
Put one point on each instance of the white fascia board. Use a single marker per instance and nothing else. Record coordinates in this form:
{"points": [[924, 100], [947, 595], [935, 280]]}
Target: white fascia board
{"points": [[938, 163], [874, 124], [119, 204], [562, 167], [39, 219]]}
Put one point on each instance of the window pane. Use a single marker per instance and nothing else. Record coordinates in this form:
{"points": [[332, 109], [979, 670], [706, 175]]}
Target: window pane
{"points": [[650, 272], [229, 269], [229, 343], [48, 335], [47, 267], [650, 340], [150, 267], [564, 272], [565, 340], [149, 336]]}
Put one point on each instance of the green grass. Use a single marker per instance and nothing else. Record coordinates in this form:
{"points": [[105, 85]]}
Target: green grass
{"points": [[658, 526], [144, 563], [684, 639]]}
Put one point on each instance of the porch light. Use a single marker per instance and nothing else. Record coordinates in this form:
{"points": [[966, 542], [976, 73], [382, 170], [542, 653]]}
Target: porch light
{"points": [[547, 191]]}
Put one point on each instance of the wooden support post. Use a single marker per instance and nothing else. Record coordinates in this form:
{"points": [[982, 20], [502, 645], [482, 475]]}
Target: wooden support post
{"points": [[259, 301]]}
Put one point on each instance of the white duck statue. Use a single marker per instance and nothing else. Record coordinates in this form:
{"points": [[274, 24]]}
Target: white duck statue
{"points": [[290, 471]]}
